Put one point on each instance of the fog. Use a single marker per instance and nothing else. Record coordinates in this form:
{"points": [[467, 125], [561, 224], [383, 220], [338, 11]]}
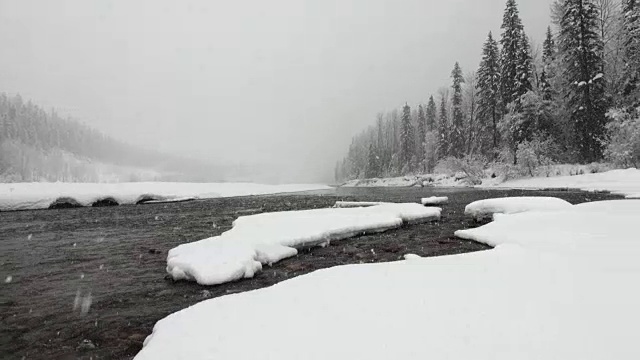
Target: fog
{"points": [[282, 84]]}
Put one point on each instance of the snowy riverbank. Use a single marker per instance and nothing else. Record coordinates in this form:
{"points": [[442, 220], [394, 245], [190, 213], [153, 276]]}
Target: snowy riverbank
{"points": [[31, 196], [554, 291], [622, 182]]}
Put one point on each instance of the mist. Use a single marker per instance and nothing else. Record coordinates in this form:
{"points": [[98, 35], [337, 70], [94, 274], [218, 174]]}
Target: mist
{"points": [[279, 87]]}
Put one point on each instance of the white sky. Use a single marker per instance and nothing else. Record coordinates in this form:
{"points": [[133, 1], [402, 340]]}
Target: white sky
{"points": [[248, 81]]}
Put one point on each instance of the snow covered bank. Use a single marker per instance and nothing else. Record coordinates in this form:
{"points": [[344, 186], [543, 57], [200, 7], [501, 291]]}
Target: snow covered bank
{"points": [[437, 180], [482, 209], [270, 237], [559, 285], [623, 182], [29, 196]]}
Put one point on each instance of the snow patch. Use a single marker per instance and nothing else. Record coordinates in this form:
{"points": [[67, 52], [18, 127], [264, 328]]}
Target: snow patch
{"points": [[270, 237], [482, 209], [622, 182], [435, 200]]}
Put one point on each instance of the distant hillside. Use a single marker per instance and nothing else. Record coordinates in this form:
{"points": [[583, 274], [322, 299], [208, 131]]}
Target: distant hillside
{"points": [[36, 145]]}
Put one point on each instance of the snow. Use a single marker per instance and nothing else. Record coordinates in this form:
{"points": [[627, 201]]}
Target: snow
{"points": [[427, 180], [563, 290], [435, 200], [622, 182], [352, 204], [29, 196], [270, 237], [511, 205]]}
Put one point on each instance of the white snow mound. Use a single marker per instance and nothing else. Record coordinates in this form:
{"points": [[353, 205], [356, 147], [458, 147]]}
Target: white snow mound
{"points": [[270, 237], [511, 205], [435, 200], [30, 196], [557, 286]]}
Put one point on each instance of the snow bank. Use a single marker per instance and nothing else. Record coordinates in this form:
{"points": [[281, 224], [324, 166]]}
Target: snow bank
{"points": [[353, 204], [270, 237], [428, 180], [28, 196], [623, 182], [435, 200], [559, 285], [511, 205]]}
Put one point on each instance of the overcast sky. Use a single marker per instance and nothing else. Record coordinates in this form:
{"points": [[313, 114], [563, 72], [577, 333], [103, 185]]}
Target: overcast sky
{"points": [[287, 82]]}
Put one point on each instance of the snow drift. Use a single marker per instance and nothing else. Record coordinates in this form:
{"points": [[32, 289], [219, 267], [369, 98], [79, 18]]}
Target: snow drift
{"points": [[30, 196], [623, 182], [482, 209], [558, 285], [270, 237]]}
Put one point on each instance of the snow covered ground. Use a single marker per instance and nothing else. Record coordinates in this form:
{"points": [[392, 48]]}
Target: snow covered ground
{"points": [[510, 205], [270, 237], [623, 182], [28, 196], [558, 285], [441, 180]]}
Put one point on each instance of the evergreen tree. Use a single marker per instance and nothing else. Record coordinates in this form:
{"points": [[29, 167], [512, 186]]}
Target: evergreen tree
{"points": [[515, 60], [548, 47], [422, 136], [457, 125], [406, 139], [432, 114], [489, 88], [548, 58], [373, 161], [443, 128], [581, 48], [631, 44]]}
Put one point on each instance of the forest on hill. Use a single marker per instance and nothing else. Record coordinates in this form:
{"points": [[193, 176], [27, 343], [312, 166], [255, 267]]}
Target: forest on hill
{"points": [[574, 99], [39, 145]]}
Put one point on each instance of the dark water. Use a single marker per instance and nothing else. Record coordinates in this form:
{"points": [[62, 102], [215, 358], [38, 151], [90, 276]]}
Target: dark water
{"points": [[110, 263]]}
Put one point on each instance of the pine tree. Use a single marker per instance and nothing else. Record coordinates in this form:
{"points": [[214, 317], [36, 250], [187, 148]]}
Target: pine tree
{"points": [[548, 47], [548, 58], [422, 136], [443, 128], [631, 44], [581, 48], [457, 125], [515, 60], [489, 88], [373, 162], [432, 114], [406, 138]]}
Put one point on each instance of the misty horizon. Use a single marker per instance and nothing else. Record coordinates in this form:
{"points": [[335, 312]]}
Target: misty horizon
{"points": [[282, 85]]}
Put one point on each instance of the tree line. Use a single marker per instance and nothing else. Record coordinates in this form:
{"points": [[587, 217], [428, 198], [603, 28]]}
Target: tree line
{"points": [[39, 145], [573, 99]]}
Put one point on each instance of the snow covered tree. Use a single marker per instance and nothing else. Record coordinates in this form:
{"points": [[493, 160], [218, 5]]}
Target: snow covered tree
{"points": [[548, 58], [489, 89], [421, 138], [631, 44], [406, 139], [457, 125], [515, 60], [582, 64], [432, 114], [443, 126]]}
